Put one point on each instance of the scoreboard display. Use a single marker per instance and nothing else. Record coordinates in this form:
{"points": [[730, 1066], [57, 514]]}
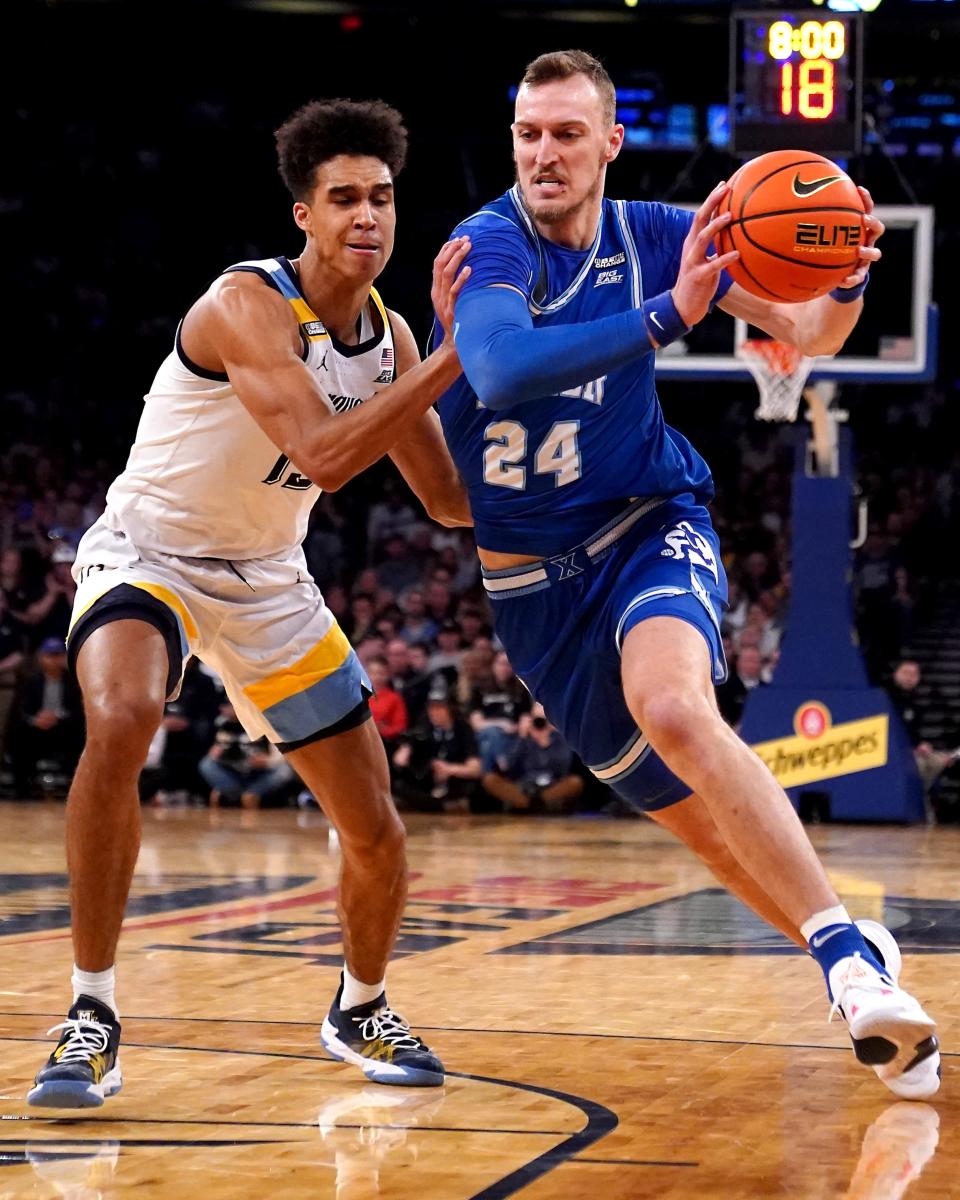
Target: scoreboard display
{"points": [[796, 80]]}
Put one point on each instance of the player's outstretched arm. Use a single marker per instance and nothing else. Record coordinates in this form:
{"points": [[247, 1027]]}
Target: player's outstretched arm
{"points": [[251, 330], [422, 457], [507, 361], [821, 326]]}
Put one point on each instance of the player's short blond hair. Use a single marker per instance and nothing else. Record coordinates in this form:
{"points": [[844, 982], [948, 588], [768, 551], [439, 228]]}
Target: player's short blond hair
{"points": [[564, 64]]}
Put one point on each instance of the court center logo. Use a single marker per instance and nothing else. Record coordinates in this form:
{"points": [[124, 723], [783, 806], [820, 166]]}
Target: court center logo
{"points": [[683, 542]]}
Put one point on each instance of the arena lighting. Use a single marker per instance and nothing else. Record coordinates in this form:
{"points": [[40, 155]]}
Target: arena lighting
{"points": [[866, 6]]}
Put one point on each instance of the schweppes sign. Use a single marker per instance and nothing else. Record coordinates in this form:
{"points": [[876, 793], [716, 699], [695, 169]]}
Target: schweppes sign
{"points": [[821, 750]]}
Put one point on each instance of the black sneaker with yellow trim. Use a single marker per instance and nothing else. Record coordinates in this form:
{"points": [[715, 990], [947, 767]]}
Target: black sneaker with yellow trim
{"points": [[378, 1041], [83, 1070]]}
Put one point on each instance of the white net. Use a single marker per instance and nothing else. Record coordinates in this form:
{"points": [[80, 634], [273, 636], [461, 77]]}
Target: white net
{"points": [[780, 371]]}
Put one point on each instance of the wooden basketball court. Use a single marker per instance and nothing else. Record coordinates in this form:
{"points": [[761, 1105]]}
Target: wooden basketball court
{"points": [[613, 1025]]}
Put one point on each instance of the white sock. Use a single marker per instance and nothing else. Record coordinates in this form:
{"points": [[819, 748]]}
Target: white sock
{"points": [[356, 993], [837, 915], [98, 985]]}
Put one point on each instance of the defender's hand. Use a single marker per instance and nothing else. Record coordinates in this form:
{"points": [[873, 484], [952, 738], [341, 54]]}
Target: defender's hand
{"points": [[700, 270], [447, 282], [867, 253]]}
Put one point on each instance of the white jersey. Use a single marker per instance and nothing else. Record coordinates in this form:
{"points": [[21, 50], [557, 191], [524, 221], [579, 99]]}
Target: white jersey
{"points": [[203, 480]]}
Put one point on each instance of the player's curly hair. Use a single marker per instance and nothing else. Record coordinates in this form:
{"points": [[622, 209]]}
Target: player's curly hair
{"points": [[323, 129], [564, 64]]}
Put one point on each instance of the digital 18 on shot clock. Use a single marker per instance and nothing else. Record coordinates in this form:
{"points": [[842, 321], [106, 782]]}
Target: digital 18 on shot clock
{"points": [[795, 80]]}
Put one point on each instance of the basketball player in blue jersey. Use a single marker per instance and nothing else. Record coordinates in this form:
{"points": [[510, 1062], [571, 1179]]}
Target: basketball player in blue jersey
{"points": [[598, 553], [286, 377]]}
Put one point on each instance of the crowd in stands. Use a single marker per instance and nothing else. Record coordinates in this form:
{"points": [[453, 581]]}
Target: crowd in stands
{"points": [[460, 730]]}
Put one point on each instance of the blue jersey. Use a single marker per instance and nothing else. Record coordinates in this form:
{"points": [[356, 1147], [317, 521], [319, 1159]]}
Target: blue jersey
{"points": [[545, 474]]}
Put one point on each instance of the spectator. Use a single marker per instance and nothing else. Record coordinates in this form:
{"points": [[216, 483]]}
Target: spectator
{"points": [[48, 733], [746, 673], [19, 595], [760, 622], [757, 576], [387, 706], [70, 522], [473, 623], [338, 603], [418, 626], [11, 660], [735, 617], [361, 619], [538, 775], [495, 710], [476, 671], [439, 598], [904, 694], [49, 616], [237, 768], [397, 570], [391, 515], [388, 623], [397, 655], [418, 682], [437, 765], [185, 733], [448, 655], [370, 646]]}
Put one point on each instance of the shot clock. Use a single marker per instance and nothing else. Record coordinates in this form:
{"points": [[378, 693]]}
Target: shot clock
{"points": [[795, 81]]}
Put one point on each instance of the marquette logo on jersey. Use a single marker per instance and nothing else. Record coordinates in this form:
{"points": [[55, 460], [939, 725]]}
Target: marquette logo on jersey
{"points": [[811, 237], [821, 750], [683, 542], [342, 404]]}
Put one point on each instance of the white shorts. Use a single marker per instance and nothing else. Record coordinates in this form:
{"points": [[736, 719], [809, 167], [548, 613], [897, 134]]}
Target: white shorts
{"points": [[261, 624]]}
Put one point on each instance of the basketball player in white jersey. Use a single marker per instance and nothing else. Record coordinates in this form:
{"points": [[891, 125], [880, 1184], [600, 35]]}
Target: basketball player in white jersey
{"points": [[286, 377]]}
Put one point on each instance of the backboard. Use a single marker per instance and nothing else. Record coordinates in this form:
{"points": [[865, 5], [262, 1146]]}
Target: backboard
{"points": [[895, 340]]}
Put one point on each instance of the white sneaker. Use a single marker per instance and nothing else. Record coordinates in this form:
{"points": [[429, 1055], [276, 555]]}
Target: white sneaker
{"points": [[889, 1029], [923, 1079], [886, 943]]}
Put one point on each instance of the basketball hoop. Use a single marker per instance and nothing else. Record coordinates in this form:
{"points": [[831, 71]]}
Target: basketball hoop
{"points": [[780, 371]]}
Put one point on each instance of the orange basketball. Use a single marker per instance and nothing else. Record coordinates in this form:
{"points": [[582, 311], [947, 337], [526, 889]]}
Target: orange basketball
{"points": [[797, 222]]}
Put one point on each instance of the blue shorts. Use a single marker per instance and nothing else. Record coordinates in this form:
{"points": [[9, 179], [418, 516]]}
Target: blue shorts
{"points": [[562, 622]]}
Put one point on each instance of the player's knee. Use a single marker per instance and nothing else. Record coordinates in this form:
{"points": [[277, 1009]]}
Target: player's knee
{"points": [[381, 840], [671, 719], [120, 727]]}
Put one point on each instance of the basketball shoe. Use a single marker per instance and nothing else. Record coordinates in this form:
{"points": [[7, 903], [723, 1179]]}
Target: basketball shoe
{"points": [[83, 1070], [924, 1078], [882, 942], [378, 1041], [889, 1030]]}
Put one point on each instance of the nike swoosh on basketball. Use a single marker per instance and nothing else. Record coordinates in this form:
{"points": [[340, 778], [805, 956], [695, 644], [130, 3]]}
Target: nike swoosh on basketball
{"points": [[816, 942], [653, 318], [815, 185]]}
